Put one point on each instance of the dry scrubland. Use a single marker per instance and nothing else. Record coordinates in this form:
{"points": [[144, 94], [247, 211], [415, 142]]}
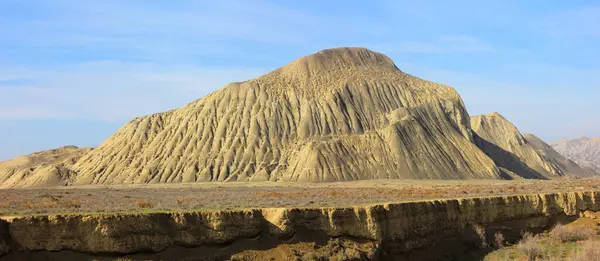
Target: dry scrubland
{"points": [[225, 196], [578, 241]]}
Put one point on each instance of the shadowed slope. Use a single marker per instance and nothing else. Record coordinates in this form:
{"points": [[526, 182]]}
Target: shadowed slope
{"points": [[566, 165], [526, 157], [339, 114]]}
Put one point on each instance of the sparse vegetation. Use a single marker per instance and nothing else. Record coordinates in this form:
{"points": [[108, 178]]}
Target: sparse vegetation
{"points": [[563, 234], [531, 246], [573, 242], [73, 204], [480, 231], [144, 204], [499, 240], [256, 195], [590, 251]]}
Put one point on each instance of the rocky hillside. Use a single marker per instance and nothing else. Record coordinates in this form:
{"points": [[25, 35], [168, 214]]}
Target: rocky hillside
{"points": [[337, 115], [40, 169], [584, 151], [521, 155]]}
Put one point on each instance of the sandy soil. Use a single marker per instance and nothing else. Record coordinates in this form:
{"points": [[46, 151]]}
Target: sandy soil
{"points": [[217, 196]]}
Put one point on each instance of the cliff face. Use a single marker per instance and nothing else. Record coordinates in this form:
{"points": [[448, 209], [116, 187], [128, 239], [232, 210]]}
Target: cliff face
{"points": [[340, 114], [392, 230]]}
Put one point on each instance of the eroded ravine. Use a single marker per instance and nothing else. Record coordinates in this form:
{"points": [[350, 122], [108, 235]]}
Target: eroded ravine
{"points": [[404, 231]]}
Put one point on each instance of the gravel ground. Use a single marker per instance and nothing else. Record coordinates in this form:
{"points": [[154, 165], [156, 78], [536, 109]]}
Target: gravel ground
{"points": [[219, 196]]}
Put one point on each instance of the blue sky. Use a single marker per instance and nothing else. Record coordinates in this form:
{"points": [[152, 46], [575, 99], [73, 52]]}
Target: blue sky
{"points": [[74, 71]]}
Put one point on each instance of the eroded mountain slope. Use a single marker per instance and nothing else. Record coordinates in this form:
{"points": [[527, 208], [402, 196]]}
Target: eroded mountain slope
{"points": [[585, 151], [566, 165], [41, 169], [339, 114], [522, 155]]}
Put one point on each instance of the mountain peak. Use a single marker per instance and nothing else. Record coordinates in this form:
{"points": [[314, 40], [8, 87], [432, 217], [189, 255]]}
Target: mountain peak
{"points": [[339, 59]]}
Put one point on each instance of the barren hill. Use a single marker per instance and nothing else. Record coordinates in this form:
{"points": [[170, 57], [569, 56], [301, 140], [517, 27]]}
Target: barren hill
{"points": [[523, 155], [566, 165], [337, 115], [585, 151], [44, 168]]}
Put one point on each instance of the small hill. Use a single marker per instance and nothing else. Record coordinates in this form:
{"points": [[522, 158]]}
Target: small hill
{"points": [[41, 169], [585, 151], [523, 155]]}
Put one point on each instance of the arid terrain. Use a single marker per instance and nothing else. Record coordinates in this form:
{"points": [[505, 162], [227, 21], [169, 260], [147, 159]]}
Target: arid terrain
{"points": [[585, 151], [338, 155], [230, 196]]}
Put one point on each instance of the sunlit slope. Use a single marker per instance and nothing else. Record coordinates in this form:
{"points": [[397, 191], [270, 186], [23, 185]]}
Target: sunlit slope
{"points": [[339, 114]]}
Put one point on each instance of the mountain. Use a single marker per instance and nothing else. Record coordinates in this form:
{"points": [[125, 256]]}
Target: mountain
{"points": [[565, 164], [584, 151], [337, 115], [41, 169], [517, 154]]}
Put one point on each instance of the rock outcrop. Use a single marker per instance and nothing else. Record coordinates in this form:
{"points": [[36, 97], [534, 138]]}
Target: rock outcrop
{"points": [[403, 230], [520, 155], [41, 169], [585, 151]]}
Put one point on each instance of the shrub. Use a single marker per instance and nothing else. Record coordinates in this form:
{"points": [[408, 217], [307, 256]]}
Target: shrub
{"points": [[499, 240], [144, 204], [480, 230], [590, 251], [73, 204], [530, 246], [564, 234]]}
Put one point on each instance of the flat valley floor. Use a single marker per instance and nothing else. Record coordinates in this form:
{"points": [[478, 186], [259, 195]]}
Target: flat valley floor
{"points": [[228, 196]]}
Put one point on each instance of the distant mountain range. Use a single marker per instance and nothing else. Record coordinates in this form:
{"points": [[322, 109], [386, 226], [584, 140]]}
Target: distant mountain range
{"points": [[337, 115], [585, 151]]}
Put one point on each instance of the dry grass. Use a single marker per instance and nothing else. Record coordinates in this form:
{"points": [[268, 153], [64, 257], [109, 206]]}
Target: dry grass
{"points": [[531, 246], [590, 251], [224, 196], [144, 204], [577, 241], [563, 234]]}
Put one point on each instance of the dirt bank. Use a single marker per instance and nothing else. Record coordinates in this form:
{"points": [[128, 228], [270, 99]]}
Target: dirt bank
{"points": [[403, 231]]}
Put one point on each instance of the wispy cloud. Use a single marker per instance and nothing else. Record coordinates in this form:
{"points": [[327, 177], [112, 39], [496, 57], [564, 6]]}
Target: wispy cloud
{"points": [[111, 90]]}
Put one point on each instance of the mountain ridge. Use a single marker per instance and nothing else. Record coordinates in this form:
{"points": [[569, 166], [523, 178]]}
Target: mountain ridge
{"points": [[584, 150]]}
